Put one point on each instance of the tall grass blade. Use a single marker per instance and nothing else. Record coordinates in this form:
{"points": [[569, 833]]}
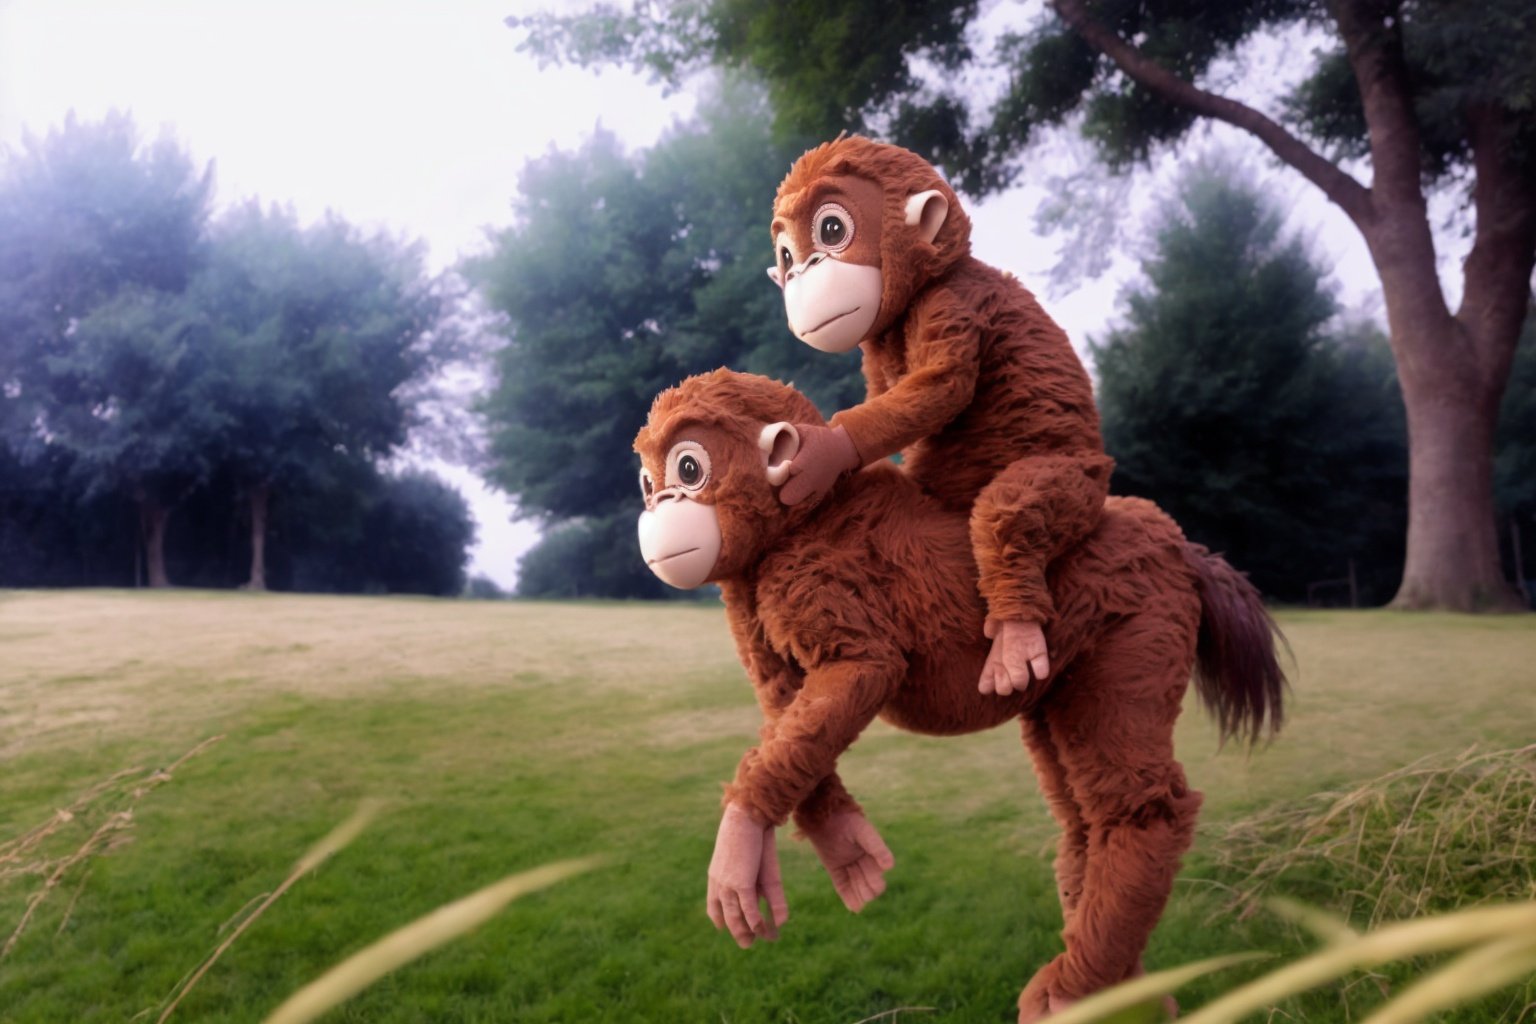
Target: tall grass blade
{"points": [[1394, 942], [1485, 969], [318, 854], [1132, 994], [1320, 923], [421, 936]]}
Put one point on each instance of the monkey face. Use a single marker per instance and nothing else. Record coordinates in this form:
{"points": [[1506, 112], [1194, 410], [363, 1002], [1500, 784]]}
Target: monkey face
{"points": [[827, 251], [679, 534], [702, 521]]}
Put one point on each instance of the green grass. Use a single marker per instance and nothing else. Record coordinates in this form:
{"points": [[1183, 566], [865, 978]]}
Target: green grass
{"points": [[505, 735]]}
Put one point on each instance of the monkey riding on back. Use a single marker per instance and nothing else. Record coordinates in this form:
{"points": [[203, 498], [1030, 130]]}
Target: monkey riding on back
{"points": [[967, 377], [863, 602]]}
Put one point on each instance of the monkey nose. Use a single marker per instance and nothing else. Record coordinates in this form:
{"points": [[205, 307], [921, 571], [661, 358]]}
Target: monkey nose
{"points": [[810, 262]]}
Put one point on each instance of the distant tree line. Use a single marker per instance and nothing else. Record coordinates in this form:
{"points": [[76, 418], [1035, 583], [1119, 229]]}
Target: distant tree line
{"points": [[1234, 392], [203, 400]]}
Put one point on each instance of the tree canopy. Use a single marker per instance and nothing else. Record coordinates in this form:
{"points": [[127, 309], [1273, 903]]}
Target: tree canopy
{"points": [[917, 72]]}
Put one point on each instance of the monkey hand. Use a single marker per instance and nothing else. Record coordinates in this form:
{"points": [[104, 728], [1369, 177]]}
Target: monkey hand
{"points": [[825, 454], [1018, 656], [854, 855], [744, 869]]}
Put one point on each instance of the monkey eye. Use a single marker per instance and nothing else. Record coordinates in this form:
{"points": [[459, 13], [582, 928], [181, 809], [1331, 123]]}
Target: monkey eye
{"points": [[786, 259], [647, 486], [834, 227], [688, 465]]}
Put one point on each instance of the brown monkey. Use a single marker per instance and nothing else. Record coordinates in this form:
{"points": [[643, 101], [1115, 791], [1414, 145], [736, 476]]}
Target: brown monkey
{"points": [[967, 376], [867, 605]]}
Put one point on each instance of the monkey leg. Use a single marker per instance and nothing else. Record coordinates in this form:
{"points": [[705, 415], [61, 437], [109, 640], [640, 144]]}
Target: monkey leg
{"points": [[1113, 731], [1032, 511], [1072, 848]]}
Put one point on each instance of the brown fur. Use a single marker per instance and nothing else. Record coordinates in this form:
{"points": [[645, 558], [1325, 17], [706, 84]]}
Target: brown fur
{"points": [[867, 606], [969, 378]]}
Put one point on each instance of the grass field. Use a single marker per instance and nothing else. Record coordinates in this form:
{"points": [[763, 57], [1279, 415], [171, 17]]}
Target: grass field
{"points": [[505, 735]]}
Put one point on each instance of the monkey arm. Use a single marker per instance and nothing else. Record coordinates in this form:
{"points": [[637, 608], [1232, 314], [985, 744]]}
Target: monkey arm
{"points": [[775, 682], [943, 360], [837, 701]]}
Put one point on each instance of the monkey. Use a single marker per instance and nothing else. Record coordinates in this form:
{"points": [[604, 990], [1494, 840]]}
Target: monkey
{"points": [[966, 376], [864, 604]]}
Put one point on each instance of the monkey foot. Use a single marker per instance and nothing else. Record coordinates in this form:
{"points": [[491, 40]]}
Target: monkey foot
{"points": [[1037, 1002], [1040, 997]]}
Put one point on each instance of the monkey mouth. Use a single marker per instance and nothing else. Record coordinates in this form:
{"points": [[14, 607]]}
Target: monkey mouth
{"points": [[668, 558], [834, 319]]}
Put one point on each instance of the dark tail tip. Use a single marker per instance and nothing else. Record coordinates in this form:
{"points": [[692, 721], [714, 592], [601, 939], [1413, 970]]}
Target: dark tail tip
{"points": [[1237, 667]]}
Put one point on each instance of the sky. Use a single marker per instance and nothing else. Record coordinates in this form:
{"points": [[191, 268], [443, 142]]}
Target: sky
{"points": [[417, 117]]}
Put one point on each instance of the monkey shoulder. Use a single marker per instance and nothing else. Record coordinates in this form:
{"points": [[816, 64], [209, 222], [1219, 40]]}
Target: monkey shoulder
{"points": [[826, 595]]}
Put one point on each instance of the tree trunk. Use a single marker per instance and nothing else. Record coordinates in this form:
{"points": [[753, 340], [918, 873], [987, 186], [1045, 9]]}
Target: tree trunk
{"points": [[153, 518], [260, 497], [1452, 559], [1453, 549]]}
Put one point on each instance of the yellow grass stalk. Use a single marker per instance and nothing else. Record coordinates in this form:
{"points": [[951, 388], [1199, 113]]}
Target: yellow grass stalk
{"points": [[1473, 974], [1146, 988], [318, 854], [1394, 942], [1325, 926], [421, 936]]}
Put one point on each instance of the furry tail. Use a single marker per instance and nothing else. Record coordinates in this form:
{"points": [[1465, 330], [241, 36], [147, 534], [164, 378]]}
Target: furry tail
{"points": [[1237, 669]]}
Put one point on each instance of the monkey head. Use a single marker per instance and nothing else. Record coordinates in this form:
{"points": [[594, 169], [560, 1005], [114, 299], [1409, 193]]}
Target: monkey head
{"points": [[712, 451], [859, 227]]}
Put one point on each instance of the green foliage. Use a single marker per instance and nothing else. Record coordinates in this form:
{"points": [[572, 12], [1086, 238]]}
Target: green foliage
{"points": [[52, 534], [98, 355], [136, 397], [1514, 464], [85, 212], [146, 357], [321, 329], [419, 536], [853, 69], [369, 532], [589, 558], [1226, 400], [623, 275], [1458, 55]]}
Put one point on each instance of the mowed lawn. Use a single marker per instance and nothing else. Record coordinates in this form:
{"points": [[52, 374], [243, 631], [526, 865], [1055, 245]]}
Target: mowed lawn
{"points": [[506, 735]]}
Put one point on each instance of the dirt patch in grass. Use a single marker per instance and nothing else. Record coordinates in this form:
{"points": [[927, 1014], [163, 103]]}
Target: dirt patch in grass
{"points": [[88, 666]]}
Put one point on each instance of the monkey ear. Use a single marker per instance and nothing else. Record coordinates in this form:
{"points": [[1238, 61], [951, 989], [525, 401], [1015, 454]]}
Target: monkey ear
{"points": [[778, 276], [927, 212], [778, 442]]}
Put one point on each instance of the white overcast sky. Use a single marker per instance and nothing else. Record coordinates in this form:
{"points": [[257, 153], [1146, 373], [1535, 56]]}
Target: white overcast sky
{"points": [[418, 116]]}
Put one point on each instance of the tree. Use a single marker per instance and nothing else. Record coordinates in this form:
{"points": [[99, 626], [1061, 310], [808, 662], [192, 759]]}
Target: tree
{"points": [[1425, 91], [52, 535], [418, 536], [85, 211], [135, 400], [321, 332], [622, 275], [98, 235], [1228, 401]]}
